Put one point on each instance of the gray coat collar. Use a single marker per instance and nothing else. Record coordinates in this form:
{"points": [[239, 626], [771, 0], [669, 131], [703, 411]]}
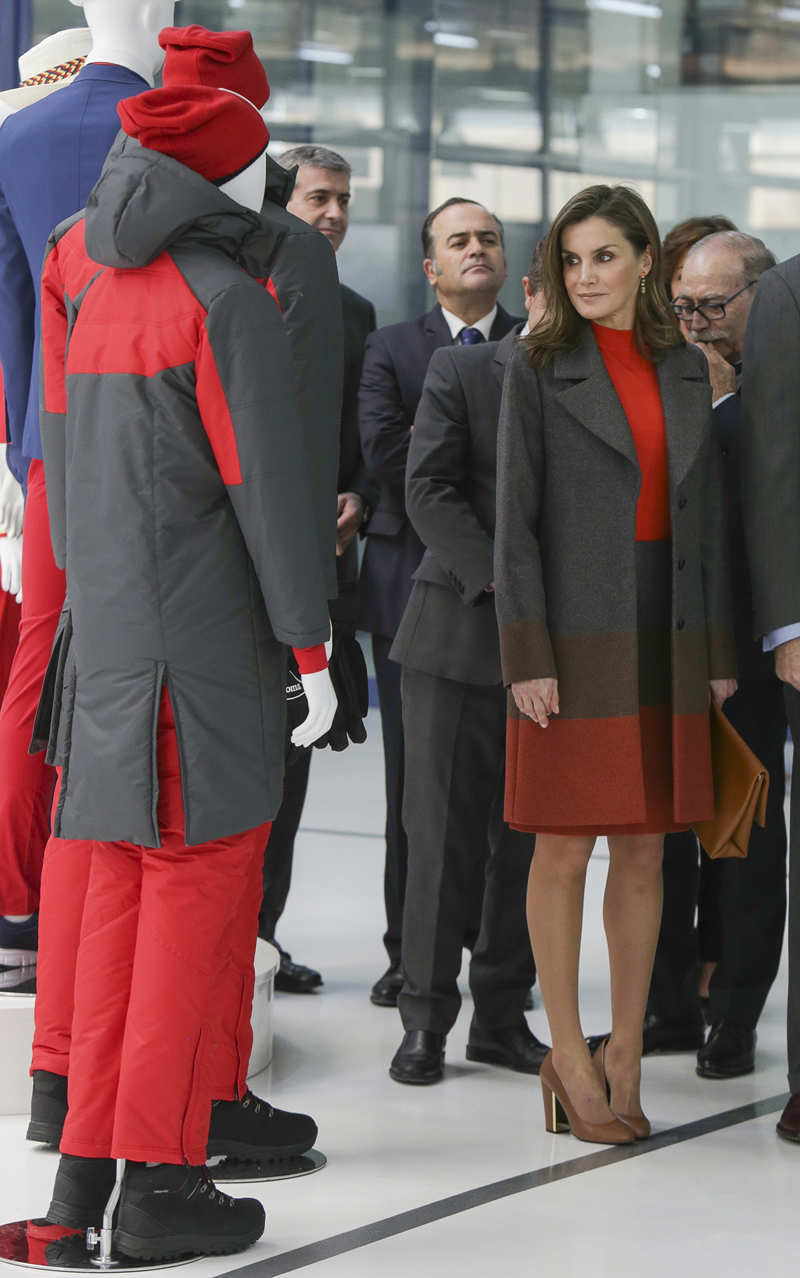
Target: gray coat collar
{"points": [[503, 350], [592, 399]]}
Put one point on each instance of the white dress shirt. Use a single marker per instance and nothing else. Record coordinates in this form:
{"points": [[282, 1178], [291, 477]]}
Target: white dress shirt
{"points": [[484, 324]]}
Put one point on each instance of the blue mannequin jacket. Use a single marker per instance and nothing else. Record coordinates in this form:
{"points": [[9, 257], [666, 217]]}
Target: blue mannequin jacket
{"points": [[51, 154]]}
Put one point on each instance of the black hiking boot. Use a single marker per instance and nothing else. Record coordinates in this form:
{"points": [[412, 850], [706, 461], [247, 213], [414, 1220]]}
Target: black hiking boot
{"points": [[167, 1211], [251, 1128], [81, 1190]]}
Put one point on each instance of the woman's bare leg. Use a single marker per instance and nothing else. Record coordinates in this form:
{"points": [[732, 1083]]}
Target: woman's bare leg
{"points": [[555, 916], [632, 916]]}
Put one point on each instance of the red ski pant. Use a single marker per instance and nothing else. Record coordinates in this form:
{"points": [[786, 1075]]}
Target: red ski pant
{"points": [[162, 991], [27, 781]]}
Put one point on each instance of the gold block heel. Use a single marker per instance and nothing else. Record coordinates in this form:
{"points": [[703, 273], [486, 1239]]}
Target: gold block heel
{"points": [[560, 1116], [555, 1120]]}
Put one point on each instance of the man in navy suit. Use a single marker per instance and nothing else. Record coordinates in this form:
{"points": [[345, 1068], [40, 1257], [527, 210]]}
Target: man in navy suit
{"points": [[51, 154], [464, 262]]}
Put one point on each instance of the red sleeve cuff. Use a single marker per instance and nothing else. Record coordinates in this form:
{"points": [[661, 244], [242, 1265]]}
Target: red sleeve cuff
{"points": [[310, 660]]}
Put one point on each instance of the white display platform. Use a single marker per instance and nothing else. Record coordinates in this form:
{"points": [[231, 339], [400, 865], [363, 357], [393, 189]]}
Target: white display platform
{"points": [[16, 1033], [267, 963]]}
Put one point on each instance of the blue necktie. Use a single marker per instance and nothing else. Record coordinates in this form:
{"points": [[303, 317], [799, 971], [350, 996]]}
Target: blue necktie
{"points": [[470, 337]]}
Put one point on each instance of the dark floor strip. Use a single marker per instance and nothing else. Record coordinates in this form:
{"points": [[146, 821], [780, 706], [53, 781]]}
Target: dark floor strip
{"points": [[344, 834], [290, 1261]]}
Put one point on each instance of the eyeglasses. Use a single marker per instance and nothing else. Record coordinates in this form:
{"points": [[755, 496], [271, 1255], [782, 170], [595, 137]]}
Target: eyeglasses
{"points": [[708, 310]]}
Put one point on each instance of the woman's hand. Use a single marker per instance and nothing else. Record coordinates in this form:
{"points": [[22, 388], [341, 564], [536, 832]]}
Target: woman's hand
{"points": [[721, 689], [537, 698]]}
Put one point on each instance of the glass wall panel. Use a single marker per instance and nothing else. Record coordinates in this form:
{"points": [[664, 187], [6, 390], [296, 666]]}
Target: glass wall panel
{"points": [[520, 103]]}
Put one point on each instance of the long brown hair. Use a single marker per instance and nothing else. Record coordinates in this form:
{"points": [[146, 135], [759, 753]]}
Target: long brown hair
{"points": [[684, 236], [655, 326]]}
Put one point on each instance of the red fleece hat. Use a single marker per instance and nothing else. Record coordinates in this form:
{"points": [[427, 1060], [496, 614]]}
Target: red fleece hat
{"points": [[218, 59], [213, 131]]}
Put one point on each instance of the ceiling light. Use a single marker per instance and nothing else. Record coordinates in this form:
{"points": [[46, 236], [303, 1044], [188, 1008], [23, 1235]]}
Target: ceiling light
{"points": [[321, 53], [633, 8], [454, 41]]}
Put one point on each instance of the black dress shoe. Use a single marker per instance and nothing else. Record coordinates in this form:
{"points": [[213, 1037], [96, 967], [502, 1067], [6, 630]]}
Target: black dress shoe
{"points": [[251, 1128], [729, 1052], [788, 1125], [385, 990], [659, 1035], [514, 1046], [168, 1211], [294, 978], [48, 1108], [419, 1058], [81, 1190]]}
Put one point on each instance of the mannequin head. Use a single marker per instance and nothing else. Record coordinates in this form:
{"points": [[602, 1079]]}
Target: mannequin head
{"points": [[217, 133], [125, 32], [221, 59], [248, 187]]}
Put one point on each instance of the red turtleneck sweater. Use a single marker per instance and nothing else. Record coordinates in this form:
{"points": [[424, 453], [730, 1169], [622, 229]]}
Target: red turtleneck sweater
{"points": [[636, 382]]}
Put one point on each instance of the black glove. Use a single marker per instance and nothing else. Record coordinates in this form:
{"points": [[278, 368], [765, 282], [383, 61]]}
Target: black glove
{"points": [[348, 671]]}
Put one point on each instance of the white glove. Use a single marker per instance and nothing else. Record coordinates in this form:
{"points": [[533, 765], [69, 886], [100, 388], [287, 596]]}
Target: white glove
{"points": [[12, 501], [11, 566], [322, 705]]}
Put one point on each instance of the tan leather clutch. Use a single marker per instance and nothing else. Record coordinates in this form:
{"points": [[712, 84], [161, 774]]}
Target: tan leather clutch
{"points": [[741, 785]]}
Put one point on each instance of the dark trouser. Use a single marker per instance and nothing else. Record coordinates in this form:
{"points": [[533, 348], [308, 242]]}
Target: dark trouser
{"points": [[387, 677], [453, 813], [793, 1014], [279, 852], [742, 902]]}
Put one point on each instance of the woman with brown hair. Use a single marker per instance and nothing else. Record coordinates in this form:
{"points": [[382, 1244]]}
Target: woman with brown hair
{"points": [[612, 601], [683, 237]]}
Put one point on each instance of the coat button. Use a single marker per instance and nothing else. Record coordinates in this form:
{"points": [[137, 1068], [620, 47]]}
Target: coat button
{"points": [[682, 502], [680, 623], [681, 565]]}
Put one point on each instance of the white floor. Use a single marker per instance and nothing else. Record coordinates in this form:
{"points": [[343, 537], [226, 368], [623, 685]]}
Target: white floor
{"points": [[723, 1201]]}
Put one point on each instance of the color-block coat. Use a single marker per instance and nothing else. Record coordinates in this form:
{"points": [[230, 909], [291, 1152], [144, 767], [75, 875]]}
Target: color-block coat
{"points": [[568, 481], [179, 504]]}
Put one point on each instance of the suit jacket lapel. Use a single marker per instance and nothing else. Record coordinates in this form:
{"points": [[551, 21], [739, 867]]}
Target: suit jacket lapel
{"points": [[436, 331], [591, 397], [686, 400]]}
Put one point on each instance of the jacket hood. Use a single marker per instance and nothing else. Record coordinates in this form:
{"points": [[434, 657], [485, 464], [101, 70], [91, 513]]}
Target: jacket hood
{"points": [[145, 202]]}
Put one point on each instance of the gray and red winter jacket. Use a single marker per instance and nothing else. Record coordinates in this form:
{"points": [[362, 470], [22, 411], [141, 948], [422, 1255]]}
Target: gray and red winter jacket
{"points": [[180, 503]]}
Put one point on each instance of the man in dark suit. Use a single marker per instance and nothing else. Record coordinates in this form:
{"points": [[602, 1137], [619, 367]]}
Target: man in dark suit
{"points": [[742, 903], [321, 197], [464, 263], [454, 713], [771, 504]]}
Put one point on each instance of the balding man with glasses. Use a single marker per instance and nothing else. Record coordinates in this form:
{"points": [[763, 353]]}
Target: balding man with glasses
{"points": [[742, 903]]}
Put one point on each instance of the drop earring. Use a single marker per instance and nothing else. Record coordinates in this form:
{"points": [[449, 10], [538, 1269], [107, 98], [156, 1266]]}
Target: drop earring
{"points": [[643, 285]]}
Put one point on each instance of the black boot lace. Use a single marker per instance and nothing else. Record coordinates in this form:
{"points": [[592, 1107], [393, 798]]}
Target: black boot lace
{"points": [[250, 1099], [213, 1193]]}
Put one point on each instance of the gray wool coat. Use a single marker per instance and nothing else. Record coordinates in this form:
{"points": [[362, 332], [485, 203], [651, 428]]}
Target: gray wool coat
{"points": [[568, 482], [180, 505]]}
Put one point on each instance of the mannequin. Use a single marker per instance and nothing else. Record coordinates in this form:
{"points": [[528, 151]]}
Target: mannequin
{"points": [[48, 66], [51, 154], [169, 627], [268, 1133], [125, 32]]}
